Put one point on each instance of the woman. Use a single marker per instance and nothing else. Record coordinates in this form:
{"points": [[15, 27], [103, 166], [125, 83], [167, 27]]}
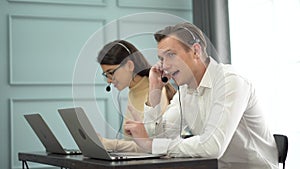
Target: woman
{"points": [[124, 66]]}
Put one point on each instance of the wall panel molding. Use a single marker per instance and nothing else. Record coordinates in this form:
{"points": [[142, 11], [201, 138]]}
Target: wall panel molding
{"points": [[156, 4], [65, 2], [145, 23], [21, 75], [21, 136], [139, 31]]}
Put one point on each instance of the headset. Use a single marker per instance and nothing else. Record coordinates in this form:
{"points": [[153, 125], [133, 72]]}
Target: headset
{"points": [[108, 88], [165, 79]]}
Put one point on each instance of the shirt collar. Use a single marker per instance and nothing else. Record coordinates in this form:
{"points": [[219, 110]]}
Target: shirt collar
{"points": [[206, 81]]}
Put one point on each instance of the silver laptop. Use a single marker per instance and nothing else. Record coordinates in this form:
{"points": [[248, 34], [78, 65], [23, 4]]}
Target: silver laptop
{"points": [[87, 139], [46, 136]]}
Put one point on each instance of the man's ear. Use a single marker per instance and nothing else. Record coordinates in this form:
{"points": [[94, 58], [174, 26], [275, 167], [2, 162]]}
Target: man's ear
{"points": [[197, 50]]}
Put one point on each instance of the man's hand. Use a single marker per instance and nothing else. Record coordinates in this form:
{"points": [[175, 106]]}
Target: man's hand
{"points": [[155, 75], [155, 84], [138, 132]]}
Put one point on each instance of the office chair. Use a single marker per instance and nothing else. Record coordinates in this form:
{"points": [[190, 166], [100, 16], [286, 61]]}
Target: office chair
{"points": [[282, 147]]}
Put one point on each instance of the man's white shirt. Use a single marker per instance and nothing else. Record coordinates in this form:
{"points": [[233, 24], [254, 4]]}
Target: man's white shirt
{"points": [[223, 115]]}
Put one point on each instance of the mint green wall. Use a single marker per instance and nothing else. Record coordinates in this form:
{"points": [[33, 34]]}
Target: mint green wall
{"points": [[48, 61]]}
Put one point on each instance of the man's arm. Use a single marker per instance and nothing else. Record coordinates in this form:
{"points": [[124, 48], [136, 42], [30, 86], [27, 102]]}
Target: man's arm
{"points": [[139, 134], [230, 101]]}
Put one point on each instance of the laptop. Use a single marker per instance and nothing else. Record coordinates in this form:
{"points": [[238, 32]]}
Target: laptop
{"points": [[46, 136], [87, 139]]}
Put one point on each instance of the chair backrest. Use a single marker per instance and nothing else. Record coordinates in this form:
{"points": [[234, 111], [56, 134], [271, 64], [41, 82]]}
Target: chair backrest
{"points": [[282, 147]]}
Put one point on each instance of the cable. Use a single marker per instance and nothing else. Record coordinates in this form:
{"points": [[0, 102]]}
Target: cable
{"points": [[120, 114], [121, 121], [180, 109], [186, 134]]}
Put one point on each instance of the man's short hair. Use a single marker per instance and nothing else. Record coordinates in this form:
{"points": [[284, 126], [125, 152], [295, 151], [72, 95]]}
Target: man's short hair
{"points": [[187, 34]]}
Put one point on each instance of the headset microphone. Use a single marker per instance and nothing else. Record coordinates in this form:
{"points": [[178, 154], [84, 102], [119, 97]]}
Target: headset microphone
{"points": [[164, 79], [108, 87]]}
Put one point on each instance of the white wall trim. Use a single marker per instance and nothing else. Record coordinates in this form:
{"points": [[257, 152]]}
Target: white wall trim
{"points": [[65, 2]]}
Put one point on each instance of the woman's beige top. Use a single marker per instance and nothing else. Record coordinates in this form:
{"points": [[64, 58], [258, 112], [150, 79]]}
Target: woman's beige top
{"points": [[137, 97]]}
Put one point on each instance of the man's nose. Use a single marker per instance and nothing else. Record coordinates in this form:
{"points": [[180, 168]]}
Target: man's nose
{"points": [[165, 65]]}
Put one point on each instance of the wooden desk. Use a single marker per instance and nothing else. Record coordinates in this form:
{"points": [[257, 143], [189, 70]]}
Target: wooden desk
{"points": [[79, 162]]}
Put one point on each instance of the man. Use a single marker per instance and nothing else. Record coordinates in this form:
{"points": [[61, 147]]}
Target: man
{"points": [[218, 106]]}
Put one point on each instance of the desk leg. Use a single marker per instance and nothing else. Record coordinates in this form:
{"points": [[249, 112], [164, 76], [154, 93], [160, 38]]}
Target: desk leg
{"points": [[24, 163]]}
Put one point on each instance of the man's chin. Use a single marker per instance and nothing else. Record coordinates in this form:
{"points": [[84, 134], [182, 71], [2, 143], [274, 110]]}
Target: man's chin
{"points": [[119, 88]]}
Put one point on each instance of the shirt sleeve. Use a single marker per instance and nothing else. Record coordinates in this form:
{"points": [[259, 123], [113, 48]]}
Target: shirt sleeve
{"points": [[120, 145], [162, 125]]}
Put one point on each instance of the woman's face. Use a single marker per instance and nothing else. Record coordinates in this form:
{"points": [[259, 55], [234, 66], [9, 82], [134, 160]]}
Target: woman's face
{"points": [[119, 75]]}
